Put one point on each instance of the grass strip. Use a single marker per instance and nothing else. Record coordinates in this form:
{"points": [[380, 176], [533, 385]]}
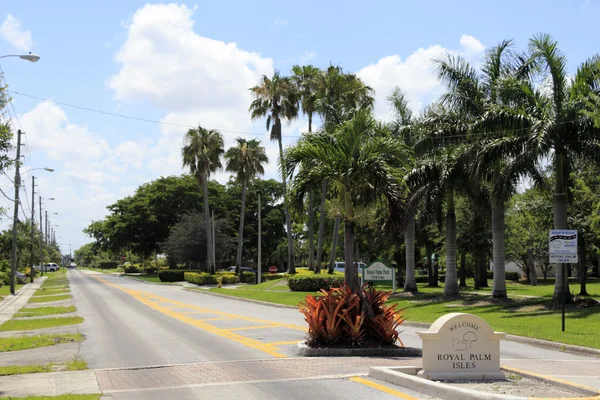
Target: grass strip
{"points": [[39, 311], [32, 342], [46, 299], [25, 369], [76, 364], [60, 397], [42, 292], [41, 323], [286, 298]]}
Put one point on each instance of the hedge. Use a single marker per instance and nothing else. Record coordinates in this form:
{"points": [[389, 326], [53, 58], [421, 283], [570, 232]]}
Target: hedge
{"points": [[314, 283], [271, 277], [173, 275], [200, 278], [229, 279], [4, 279], [131, 269], [108, 264]]}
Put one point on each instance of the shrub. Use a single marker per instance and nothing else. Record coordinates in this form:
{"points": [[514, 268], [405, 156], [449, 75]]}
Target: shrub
{"points": [[200, 278], [246, 276], [131, 269], [151, 269], [108, 265], [512, 276], [251, 280], [421, 279], [338, 317], [4, 279], [229, 279], [314, 283], [270, 277], [172, 275]]}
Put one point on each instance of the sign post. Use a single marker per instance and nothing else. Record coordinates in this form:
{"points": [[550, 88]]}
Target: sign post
{"points": [[562, 245], [379, 274]]}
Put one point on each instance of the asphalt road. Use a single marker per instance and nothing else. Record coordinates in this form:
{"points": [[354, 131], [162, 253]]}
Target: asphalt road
{"points": [[228, 348]]}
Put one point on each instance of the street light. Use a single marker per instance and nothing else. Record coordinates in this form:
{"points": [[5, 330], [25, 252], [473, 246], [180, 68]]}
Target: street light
{"points": [[29, 57]]}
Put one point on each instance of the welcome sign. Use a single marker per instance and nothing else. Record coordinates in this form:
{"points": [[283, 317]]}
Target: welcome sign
{"points": [[379, 274]]}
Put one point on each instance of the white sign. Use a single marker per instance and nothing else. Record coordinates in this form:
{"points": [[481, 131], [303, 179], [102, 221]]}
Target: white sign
{"points": [[562, 246], [379, 273], [461, 346]]}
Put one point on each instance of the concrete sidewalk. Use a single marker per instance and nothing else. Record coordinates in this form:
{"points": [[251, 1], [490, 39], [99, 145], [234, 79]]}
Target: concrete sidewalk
{"points": [[49, 384], [11, 304]]}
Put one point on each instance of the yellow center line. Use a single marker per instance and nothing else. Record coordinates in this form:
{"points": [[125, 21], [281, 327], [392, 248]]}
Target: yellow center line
{"points": [[243, 328], [382, 388], [214, 319], [146, 298]]}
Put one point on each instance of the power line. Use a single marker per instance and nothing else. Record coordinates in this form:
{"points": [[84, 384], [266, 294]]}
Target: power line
{"points": [[152, 121], [2, 191]]}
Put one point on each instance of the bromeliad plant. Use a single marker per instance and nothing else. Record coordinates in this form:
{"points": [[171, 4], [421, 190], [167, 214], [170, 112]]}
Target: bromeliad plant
{"points": [[337, 317]]}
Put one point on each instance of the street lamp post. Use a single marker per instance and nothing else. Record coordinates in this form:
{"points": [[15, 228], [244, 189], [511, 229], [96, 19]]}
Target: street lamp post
{"points": [[32, 271], [29, 57]]}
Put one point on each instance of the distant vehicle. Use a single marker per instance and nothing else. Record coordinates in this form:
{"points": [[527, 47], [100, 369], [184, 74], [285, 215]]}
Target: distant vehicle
{"points": [[244, 269], [21, 277], [50, 267], [72, 265], [340, 266]]}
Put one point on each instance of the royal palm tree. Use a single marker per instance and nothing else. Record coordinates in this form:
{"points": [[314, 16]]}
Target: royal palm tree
{"points": [[363, 164], [201, 152], [246, 160], [277, 99], [306, 79]]}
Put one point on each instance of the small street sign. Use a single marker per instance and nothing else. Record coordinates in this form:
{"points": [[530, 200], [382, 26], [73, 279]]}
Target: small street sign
{"points": [[562, 246]]}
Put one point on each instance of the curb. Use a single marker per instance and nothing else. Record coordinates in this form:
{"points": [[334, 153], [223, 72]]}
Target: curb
{"points": [[306, 351], [545, 344]]}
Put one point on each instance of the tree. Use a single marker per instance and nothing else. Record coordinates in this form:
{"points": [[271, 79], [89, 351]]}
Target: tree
{"points": [[202, 152], [245, 160], [5, 131], [84, 256], [277, 99], [362, 162]]}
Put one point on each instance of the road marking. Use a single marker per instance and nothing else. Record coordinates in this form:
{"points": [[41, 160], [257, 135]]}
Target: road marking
{"points": [[382, 388], [210, 319], [153, 302], [552, 378], [282, 343], [243, 328]]}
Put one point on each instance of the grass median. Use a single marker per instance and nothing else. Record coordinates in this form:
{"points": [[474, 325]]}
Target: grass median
{"points": [[40, 311], [38, 323], [47, 299], [32, 342], [528, 312], [76, 364]]}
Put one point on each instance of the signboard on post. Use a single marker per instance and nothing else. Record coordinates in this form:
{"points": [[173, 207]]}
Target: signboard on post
{"points": [[379, 274], [563, 246]]}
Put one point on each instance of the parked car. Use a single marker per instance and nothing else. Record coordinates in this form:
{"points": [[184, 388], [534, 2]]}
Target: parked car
{"points": [[50, 267], [244, 269], [21, 277], [72, 265], [340, 266]]}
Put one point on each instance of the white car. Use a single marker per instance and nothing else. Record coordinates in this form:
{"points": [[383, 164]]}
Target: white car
{"points": [[50, 267], [72, 265], [340, 266]]}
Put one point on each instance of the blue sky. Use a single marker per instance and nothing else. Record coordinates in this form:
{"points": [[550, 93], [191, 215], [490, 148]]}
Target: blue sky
{"points": [[192, 62]]}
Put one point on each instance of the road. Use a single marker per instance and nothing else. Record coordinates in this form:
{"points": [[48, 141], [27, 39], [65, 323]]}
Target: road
{"points": [[156, 342]]}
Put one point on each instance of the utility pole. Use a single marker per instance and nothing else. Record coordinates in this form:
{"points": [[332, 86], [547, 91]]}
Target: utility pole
{"points": [[214, 252], [13, 260], [258, 267], [41, 239], [46, 228], [32, 271]]}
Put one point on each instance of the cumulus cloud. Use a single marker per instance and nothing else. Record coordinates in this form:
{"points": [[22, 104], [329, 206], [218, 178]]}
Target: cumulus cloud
{"points": [[415, 74], [11, 31]]}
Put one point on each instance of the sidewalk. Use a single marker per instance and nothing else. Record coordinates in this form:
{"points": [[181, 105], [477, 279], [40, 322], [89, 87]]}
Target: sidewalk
{"points": [[11, 304]]}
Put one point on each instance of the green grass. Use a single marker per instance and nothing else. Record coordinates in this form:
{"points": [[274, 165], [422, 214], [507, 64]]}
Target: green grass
{"points": [[5, 290], [287, 298], [76, 364], [25, 369], [45, 299], [31, 342], [147, 277], [41, 323], [38, 311], [48, 292], [61, 397]]}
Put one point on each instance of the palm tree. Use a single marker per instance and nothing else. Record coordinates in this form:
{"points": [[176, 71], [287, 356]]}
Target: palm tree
{"points": [[363, 163], [277, 99], [201, 152], [246, 160], [306, 79]]}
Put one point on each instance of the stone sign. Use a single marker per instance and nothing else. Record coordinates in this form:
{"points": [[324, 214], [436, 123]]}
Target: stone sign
{"points": [[461, 346]]}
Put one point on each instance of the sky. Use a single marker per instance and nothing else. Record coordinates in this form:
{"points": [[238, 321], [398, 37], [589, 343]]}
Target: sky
{"points": [[189, 63]]}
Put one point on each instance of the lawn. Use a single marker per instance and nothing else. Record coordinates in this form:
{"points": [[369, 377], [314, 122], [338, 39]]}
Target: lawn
{"points": [[5, 290], [40, 323], [31, 342], [532, 317], [148, 278], [61, 397], [51, 290], [38, 311], [45, 299], [73, 365]]}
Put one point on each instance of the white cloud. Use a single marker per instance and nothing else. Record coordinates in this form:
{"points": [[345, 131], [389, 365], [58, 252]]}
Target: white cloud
{"points": [[307, 56], [11, 31], [415, 75], [279, 24]]}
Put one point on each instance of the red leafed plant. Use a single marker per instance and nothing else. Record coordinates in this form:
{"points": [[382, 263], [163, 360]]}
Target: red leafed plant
{"points": [[338, 316]]}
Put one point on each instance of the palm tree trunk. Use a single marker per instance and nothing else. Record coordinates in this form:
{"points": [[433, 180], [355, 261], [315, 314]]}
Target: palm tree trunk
{"points": [[582, 267], [431, 275], [560, 222], [531, 265], [410, 284], [485, 264], [463, 270], [477, 280], [321, 225], [238, 259], [207, 225], [334, 242], [499, 284], [311, 244], [288, 224], [349, 254], [451, 281]]}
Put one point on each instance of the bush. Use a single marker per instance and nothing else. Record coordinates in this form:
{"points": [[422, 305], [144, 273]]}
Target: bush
{"points": [[172, 275], [314, 283], [247, 276], [229, 279], [4, 279], [131, 269], [151, 269], [251, 280], [421, 279], [108, 265], [337, 317], [512, 276], [270, 277], [200, 278]]}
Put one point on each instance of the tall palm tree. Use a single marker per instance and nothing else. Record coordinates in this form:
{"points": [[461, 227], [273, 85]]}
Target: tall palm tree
{"points": [[277, 99], [306, 79], [201, 152], [363, 163], [246, 160]]}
